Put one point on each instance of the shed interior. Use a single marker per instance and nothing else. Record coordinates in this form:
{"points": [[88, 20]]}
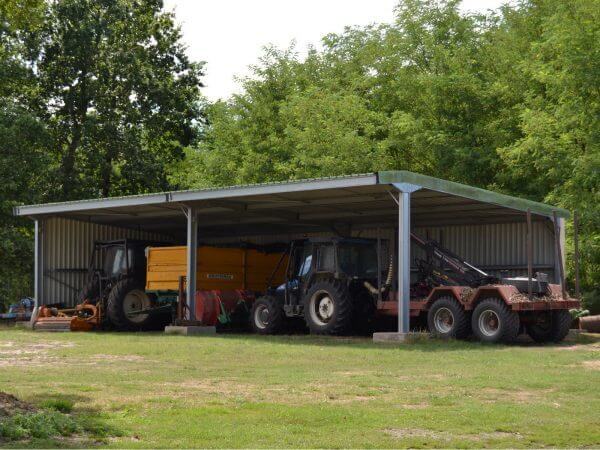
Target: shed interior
{"points": [[486, 228]]}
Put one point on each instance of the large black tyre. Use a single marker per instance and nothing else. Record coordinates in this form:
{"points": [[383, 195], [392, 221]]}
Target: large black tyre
{"points": [[328, 308], [90, 291], [551, 326], [447, 319], [126, 297], [267, 316], [493, 321]]}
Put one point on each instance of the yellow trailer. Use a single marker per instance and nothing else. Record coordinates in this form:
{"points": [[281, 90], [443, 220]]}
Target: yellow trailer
{"points": [[218, 268]]}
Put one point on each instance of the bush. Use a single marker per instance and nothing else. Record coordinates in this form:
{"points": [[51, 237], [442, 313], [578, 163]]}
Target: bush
{"points": [[58, 404], [591, 301], [42, 424]]}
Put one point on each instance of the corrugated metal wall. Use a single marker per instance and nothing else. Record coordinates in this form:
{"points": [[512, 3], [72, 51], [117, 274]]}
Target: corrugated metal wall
{"points": [[67, 247], [66, 253], [492, 247]]}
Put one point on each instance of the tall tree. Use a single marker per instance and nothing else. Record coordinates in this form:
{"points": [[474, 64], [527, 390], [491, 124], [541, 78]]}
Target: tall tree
{"points": [[22, 141], [120, 95]]}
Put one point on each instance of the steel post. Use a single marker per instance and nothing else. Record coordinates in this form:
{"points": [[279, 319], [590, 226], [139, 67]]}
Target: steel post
{"points": [[576, 243], [192, 251], [403, 262], [529, 255], [38, 262]]}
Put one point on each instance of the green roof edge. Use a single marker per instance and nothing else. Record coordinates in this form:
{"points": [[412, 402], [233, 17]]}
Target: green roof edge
{"points": [[474, 193]]}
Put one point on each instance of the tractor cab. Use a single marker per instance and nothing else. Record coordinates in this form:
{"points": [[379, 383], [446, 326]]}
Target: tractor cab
{"points": [[329, 281]]}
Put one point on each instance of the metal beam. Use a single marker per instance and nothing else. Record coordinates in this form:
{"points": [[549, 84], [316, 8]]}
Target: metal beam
{"points": [[38, 270], [405, 191], [192, 252]]}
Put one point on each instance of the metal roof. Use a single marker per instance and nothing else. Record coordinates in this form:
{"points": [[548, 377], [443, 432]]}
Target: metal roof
{"points": [[310, 205]]}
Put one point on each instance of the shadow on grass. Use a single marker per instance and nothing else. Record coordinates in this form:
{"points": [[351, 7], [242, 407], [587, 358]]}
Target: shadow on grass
{"points": [[421, 342]]}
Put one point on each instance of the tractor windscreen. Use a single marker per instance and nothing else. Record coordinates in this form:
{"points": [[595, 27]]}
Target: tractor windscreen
{"points": [[115, 262], [358, 259]]}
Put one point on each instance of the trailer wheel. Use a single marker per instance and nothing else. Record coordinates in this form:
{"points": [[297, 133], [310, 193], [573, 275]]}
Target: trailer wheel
{"points": [[551, 326], [328, 308], [493, 321], [125, 299], [267, 316], [447, 319]]}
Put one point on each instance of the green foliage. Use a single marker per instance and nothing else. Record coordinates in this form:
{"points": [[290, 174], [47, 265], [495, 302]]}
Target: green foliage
{"points": [[62, 405], [42, 424], [96, 99], [507, 101]]}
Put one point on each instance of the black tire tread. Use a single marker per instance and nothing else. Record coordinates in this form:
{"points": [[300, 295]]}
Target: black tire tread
{"points": [[344, 307], [278, 318], [114, 308], [509, 318], [561, 324], [462, 328]]}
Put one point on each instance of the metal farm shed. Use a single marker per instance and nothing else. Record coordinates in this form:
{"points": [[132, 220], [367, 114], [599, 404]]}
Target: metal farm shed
{"points": [[487, 228]]}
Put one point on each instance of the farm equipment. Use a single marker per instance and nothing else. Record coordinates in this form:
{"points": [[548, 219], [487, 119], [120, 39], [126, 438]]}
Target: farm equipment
{"points": [[19, 312], [136, 287], [335, 285]]}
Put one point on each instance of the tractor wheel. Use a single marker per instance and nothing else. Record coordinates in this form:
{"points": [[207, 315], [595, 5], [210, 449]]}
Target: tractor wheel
{"points": [[90, 292], [267, 316], [551, 326], [447, 319], [125, 299], [493, 321], [328, 308]]}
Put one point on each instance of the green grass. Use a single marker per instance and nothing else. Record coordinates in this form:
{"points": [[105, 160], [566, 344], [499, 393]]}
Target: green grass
{"points": [[152, 390]]}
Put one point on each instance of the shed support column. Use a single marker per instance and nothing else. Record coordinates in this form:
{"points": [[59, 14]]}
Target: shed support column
{"points": [[38, 270], [192, 246], [404, 262]]}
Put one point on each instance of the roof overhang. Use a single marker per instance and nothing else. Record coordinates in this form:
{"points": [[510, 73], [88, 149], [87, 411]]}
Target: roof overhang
{"points": [[302, 206]]}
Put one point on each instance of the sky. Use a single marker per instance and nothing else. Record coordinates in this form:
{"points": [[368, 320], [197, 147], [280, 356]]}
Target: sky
{"points": [[229, 34]]}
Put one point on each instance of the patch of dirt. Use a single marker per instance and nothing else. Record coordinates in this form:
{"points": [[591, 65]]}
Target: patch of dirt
{"points": [[9, 405], [120, 358], [594, 364], [195, 390], [492, 395], [411, 433]]}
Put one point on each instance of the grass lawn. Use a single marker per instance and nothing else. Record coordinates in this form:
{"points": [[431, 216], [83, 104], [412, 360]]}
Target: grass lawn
{"points": [[152, 390]]}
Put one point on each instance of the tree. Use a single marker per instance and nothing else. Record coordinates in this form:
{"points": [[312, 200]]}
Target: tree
{"points": [[507, 100], [22, 138], [119, 94]]}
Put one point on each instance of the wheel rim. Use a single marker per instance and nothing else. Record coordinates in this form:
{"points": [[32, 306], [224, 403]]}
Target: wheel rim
{"points": [[261, 316], [133, 302], [443, 320], [322, 307], [489, 323]]}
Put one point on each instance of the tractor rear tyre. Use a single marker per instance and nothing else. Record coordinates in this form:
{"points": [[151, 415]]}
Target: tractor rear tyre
{"points": [[126, 298], [551, 326], [328, 308], [447, 319], [267, 316], [493, 321]]}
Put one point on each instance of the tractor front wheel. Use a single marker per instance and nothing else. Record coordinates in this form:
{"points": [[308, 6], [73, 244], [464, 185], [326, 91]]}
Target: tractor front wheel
{"points": [[328, 308], [267, 316]]}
